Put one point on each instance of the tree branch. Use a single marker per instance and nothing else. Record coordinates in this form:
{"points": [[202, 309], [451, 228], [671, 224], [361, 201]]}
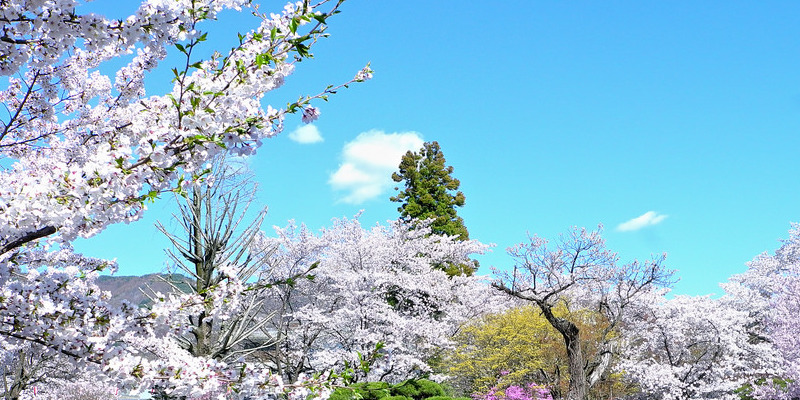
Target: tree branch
{"points": [[29, 237]]}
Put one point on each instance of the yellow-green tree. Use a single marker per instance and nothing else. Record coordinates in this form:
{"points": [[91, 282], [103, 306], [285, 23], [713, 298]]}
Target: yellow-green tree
{"points": [[518, 347], [518, 341]]}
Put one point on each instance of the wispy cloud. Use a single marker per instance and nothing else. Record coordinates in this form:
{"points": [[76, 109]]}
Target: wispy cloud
{"points": [[368, 162], [649, 218], [306, 134]]}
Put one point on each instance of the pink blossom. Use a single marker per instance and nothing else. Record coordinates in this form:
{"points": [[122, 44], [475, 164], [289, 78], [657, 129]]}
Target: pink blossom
{"points": [[83, 150], [364, 75], [310, 114]]}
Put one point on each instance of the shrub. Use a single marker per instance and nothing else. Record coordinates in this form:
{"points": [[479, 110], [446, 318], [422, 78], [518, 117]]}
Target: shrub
{"points": [[396, 398], [412, 389], [530, 391], [365, 391], [419, 389]]}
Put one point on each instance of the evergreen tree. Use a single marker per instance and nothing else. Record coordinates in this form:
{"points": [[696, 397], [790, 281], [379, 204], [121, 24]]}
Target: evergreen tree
{"points": [[431, 192], [428, 191]]}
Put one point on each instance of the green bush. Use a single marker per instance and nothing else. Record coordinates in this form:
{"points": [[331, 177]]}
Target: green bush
{"points": [[396, 398], [342, 394], [407, 389], [430, 389], [419, 389], [412, 389], [374, 390], [365, 391]]}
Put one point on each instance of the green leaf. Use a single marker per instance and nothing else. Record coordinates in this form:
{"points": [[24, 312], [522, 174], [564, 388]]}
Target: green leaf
{"points": [[152, 196], [320, 18], [262, 59], [172, 98], [302, 49]]}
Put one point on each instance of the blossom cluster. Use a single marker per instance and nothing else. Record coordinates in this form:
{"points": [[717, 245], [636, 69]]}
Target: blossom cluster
{"points": [[531, 391], [768, 292], [742, 343], [691, 347], [375, 295], [86, 150], [80, 150]]}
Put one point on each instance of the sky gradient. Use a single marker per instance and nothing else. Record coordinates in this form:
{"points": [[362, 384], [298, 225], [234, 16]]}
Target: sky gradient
{"points": [[675, 125]]}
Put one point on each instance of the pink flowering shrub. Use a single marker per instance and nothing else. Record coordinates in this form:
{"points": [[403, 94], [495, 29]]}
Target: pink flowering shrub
{"points": [[531, 391]]}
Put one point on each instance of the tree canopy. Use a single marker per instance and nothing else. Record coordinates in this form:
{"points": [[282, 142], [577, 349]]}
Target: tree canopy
{"points": [[430, 191], [520, 347], [344, 315], [83, 147], [581, 273]]}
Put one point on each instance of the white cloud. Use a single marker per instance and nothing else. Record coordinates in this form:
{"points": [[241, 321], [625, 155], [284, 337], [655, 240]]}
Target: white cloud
{"points": [[368, 162], [647, 219], [306, 134]]}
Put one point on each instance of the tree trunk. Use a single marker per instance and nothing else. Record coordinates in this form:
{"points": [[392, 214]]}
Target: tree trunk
{"points": [[603, 361], [569, 331], [577, 375], [19, 380]]}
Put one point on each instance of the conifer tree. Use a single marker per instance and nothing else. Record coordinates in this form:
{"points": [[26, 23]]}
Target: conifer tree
{"points": [[428, 191], [431, 192]]}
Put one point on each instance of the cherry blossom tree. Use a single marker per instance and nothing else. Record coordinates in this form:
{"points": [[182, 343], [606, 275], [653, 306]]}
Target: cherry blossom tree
{"points": [[690, 348], [768, 292], [80, 150], [213, 251], [580, 273], [783, 323], [375, 297], [742, 344], [87, 388], [87, 150], [26, 365]]}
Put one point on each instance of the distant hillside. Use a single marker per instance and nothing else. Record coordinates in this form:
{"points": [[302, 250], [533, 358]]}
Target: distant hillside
{"points": [[133, 288]]}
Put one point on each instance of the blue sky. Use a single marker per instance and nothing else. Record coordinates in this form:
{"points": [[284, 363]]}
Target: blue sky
{"points": [[684, 115]]}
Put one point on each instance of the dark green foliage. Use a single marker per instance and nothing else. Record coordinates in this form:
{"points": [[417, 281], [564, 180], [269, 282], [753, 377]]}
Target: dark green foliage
{"points": [[363, 391], [376, 390], [412, 389], [419, 389], [342, 394], [429, 389], [430, 192]]}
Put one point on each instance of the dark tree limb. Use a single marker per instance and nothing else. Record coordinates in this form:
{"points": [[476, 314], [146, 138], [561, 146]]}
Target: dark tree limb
{"points": [[28, 237]]}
